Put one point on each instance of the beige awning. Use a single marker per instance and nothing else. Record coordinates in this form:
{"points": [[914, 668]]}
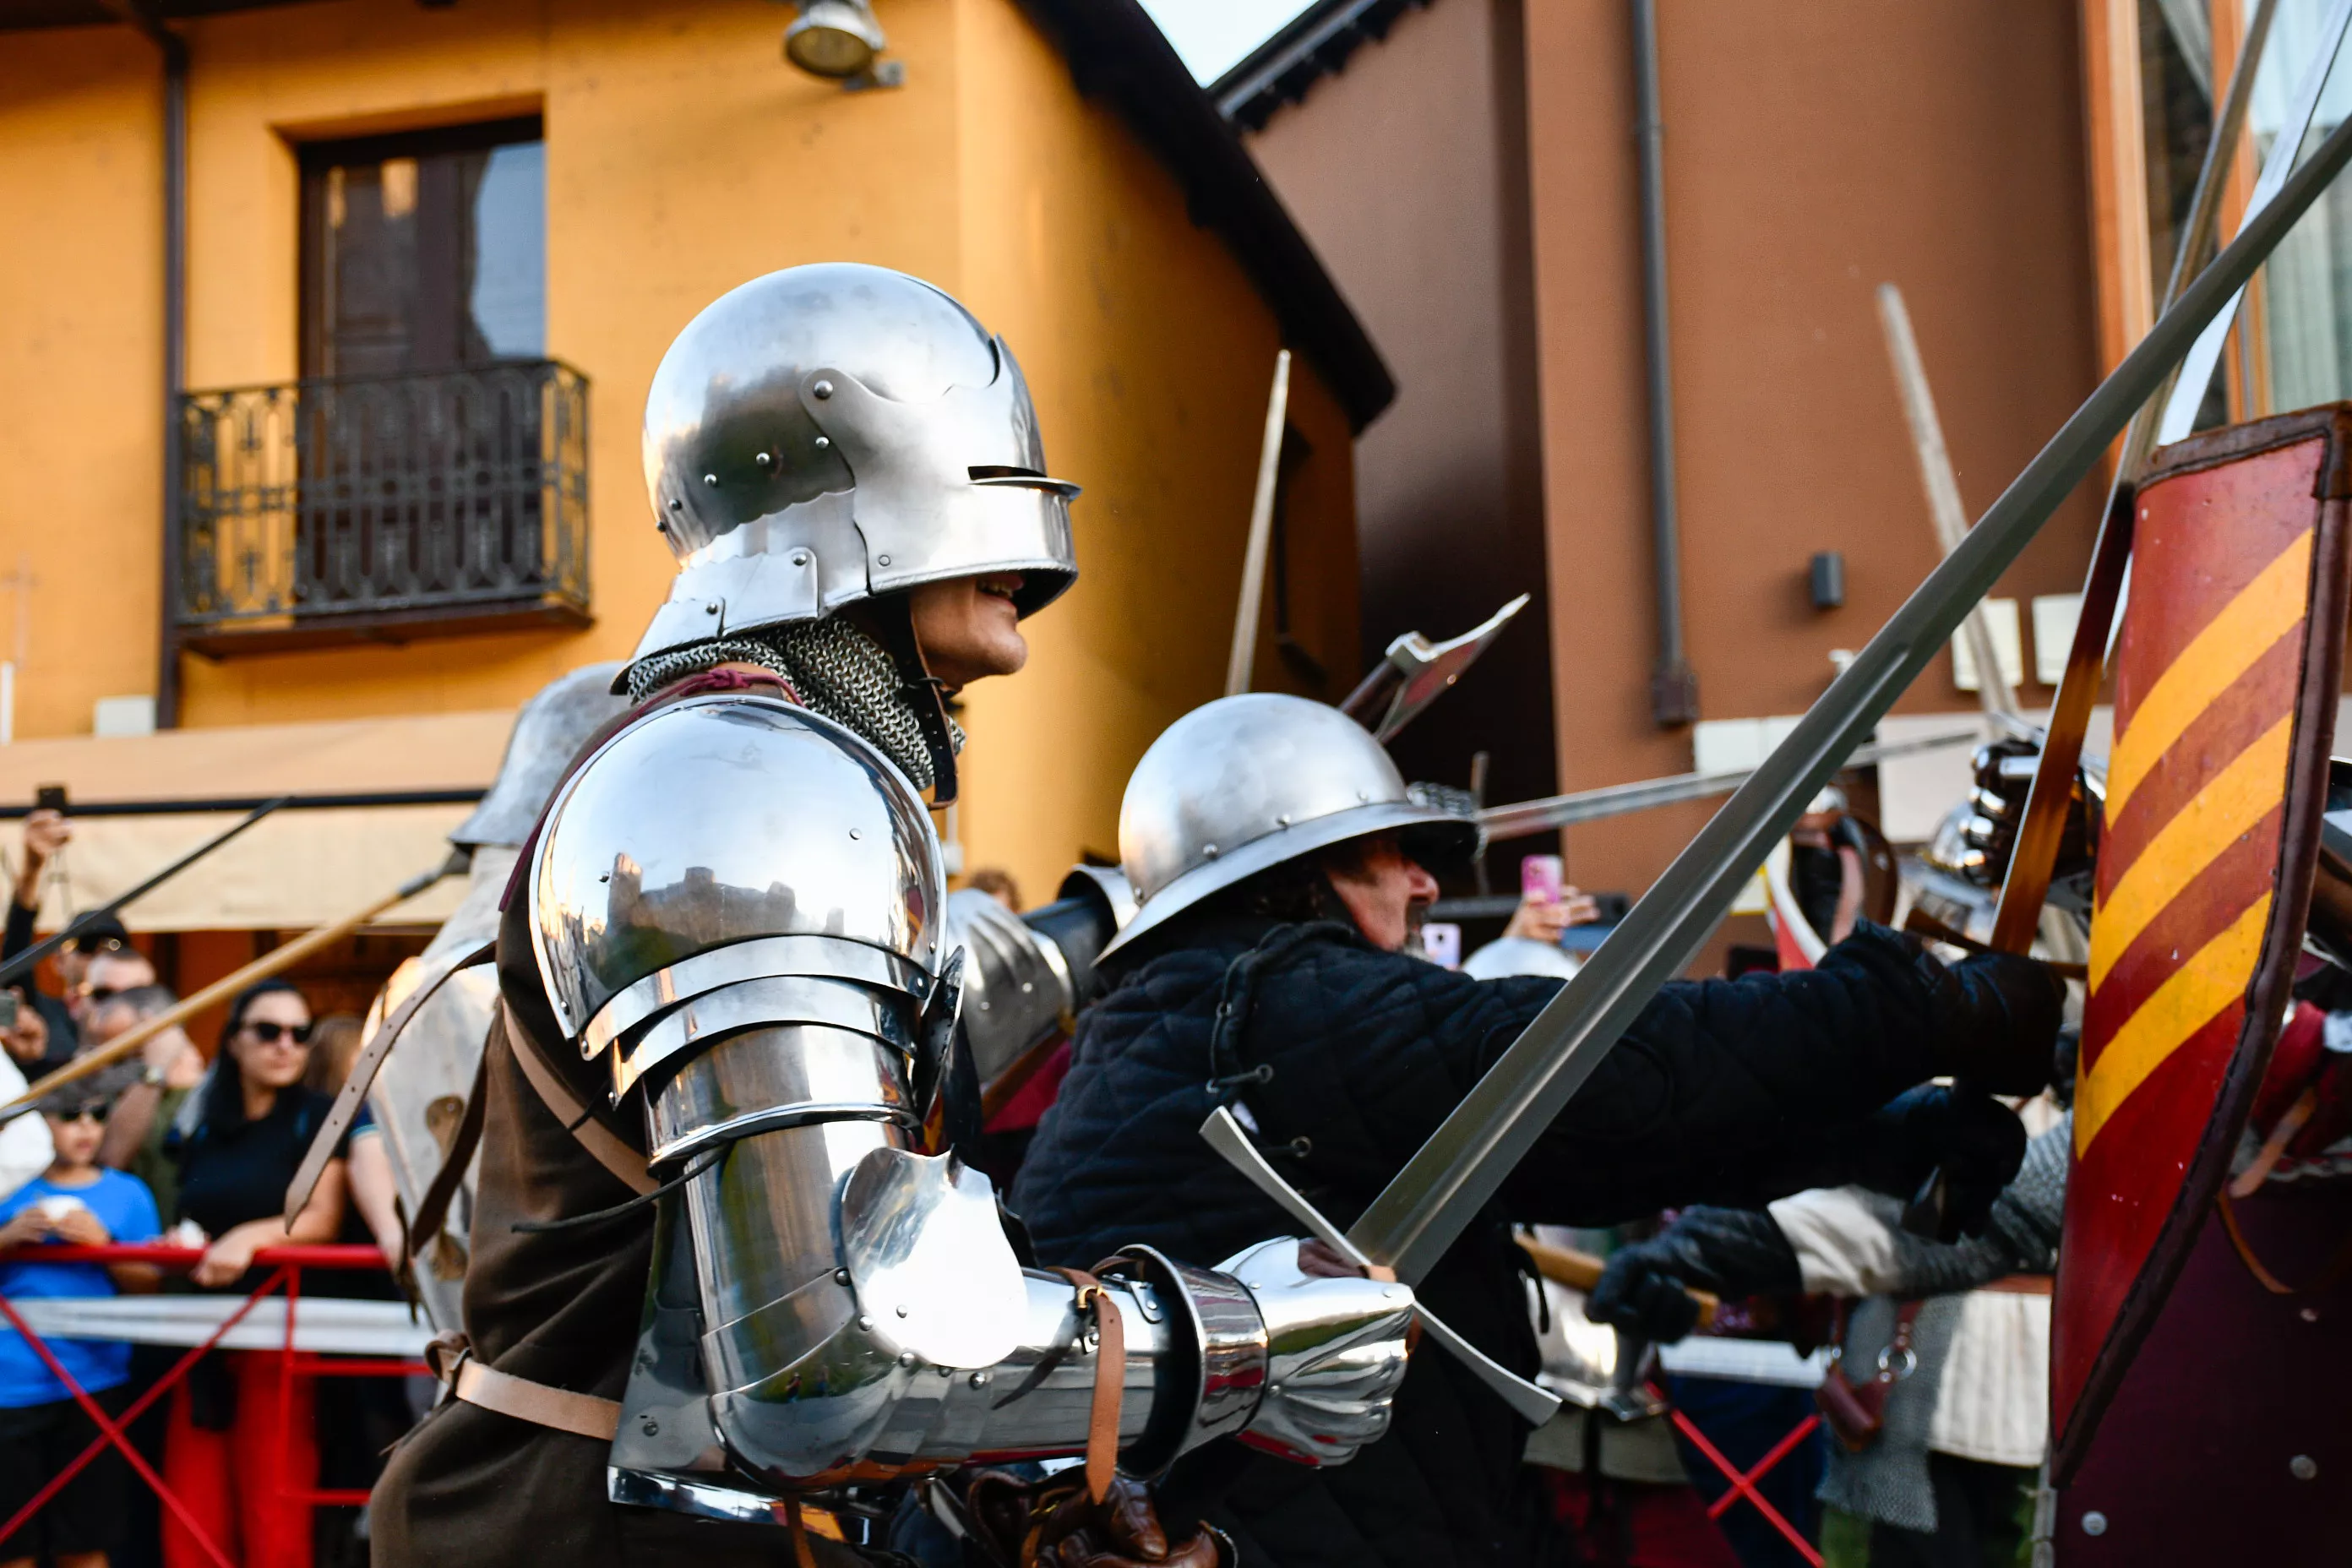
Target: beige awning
{"points": [[297, 867]]}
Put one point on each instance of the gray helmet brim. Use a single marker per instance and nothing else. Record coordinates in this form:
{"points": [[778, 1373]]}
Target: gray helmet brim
{"points": [[1456, 837]]}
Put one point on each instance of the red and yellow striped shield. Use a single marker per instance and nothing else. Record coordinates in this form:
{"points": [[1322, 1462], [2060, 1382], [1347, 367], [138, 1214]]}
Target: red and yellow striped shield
{"points": [[2227, 676]]}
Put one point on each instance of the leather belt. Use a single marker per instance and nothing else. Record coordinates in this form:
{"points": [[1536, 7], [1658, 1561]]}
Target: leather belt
{"points": [[2020, 1285]]}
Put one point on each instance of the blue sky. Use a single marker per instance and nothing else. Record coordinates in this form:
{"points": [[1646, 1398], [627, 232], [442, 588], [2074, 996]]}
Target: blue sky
{"points": [[1213, 35]]}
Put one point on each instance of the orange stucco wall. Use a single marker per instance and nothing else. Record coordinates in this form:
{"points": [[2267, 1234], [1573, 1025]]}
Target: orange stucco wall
{"points": [[683, 157]]}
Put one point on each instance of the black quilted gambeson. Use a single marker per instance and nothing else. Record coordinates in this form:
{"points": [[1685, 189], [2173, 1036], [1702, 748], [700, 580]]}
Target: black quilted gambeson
{"points": [[1346, 1058]]}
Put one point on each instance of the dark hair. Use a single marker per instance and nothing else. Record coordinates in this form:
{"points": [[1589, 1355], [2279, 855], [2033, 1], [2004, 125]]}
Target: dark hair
{"points": [[224, 1092], [96, 931], [145, 1001]]}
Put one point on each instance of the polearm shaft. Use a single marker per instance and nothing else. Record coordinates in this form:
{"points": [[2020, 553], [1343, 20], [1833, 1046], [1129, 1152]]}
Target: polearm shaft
{"points": [[1412, 1222], [24, 962], [2034, 857], [1261, 530], [1522, 818], [275, 961]]}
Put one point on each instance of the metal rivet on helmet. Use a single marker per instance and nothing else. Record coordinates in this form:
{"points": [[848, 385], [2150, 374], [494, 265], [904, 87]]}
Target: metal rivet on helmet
{"points": [[822, 389]]}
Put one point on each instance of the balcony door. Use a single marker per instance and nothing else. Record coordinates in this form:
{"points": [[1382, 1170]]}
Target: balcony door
{"points": [[424, 329]]}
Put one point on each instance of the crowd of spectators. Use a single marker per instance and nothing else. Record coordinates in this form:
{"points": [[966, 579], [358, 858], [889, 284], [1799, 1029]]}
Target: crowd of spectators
{"points": [[196, 1151]]}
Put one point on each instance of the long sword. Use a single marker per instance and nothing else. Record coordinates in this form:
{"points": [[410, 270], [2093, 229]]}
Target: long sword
{"points": [[1534, 1405], [1412, 1222]]}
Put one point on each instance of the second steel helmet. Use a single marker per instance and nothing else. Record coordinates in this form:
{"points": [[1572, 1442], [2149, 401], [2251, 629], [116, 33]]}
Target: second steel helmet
{"points": [[831, 432], [1246, 782]]}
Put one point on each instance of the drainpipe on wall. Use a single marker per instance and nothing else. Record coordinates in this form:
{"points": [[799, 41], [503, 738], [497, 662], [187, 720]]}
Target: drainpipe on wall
{"points": [[142, 14], [1673, 685]]}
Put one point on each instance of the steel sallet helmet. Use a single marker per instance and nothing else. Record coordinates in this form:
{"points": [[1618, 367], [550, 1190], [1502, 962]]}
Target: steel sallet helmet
{"points": [[1249, 782], [804, 887], [833, 432]]}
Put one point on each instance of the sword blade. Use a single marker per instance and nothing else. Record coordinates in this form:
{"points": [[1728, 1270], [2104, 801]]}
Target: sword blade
{"points": [[1533, 1405], [1465, 1160]]}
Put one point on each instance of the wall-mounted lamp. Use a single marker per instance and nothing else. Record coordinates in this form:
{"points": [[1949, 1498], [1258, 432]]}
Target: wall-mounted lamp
{"points": [[840, 40], [1826, 580]]}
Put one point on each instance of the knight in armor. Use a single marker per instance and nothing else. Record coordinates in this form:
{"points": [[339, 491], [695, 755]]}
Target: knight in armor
{"points": [[1281, 867], [720, 1300]]}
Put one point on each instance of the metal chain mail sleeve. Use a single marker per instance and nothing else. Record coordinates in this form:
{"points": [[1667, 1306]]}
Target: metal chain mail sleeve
{"points": [[839, 671]]}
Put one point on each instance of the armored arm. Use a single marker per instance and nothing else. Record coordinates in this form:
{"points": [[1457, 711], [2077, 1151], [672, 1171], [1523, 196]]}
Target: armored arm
{"points": [[765, 979]]}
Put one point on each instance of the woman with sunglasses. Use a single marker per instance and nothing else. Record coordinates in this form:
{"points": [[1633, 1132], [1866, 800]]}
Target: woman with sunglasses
{"points": [[238, 1142]]}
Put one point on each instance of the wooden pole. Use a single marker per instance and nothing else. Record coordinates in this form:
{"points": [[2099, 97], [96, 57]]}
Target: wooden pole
{"points": [[275, 961], [1581, 1271], [1998, 697], [1261, 531]]}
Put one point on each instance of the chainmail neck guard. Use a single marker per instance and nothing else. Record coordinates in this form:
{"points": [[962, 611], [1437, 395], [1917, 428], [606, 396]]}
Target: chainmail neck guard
{"points": [[837, 670]]}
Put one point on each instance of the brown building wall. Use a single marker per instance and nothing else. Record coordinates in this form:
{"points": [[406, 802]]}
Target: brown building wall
{"points": [[1811, 152], [1408, 171]]}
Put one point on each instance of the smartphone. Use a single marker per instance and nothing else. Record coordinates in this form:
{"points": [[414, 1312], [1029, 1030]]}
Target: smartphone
{"points": [[1542, 877], [49, 797], [1441, 943], [9, 1002]]}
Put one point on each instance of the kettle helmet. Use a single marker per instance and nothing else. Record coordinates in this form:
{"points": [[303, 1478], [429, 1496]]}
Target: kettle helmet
{"points": [[1248, 783]]}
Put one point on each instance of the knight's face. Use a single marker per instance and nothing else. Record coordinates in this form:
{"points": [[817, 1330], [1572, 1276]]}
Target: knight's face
{"points": [[1386, 891], [968, 627]]}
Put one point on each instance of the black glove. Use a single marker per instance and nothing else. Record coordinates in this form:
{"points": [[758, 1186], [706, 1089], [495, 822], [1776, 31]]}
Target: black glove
{"points": [[1976, 1141], [1731, 1252], [1995, 1021]]}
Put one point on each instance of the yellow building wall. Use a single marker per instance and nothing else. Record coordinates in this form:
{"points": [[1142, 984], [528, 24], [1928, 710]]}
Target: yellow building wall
{"points": [[683, 157]]}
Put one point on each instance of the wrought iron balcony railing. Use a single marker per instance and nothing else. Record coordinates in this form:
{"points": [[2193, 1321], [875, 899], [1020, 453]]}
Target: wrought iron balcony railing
{"points": [[382, 508]]}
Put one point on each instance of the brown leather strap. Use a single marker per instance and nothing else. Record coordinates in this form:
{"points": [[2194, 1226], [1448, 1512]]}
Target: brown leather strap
{"points": [[2021, 1285], [2334, 1271], [627, 1166], [803, 1555], [2249, 1182], [451, 1358], [362, 1075], [417, 1231], [1110, 1379]]}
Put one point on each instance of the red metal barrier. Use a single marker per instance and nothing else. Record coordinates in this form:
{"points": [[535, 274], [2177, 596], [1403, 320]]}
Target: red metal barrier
{"points": [[284, 1267]]}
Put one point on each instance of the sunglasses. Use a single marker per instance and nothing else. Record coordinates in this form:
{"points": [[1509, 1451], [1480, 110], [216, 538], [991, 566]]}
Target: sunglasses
{"points": [[269, 1034], [94, 994], [96, 1113]]}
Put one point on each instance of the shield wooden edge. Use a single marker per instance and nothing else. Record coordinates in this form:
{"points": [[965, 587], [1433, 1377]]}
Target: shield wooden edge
{"points": [[2227, 676]]}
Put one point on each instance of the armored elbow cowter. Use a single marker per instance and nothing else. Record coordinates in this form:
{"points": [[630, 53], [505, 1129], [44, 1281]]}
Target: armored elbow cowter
{"points": [[736, 905]]}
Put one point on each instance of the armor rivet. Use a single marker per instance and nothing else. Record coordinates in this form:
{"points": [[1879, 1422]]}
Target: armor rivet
{"points": [[822, 389], [763, 459], [710, 609], [677, 506], [980, 1380], [1209, 850], [947, 1371], [1282, 822], [2095, 1523], [1273, 1390], [841, 1276], [1364, 794], [902, 1309], [2311, 1314], [2303, 1466], [710, 479], [651, 1427], [800, 557], [854, 834], [865, 1323], [1026, 988], [823, 442], [906, 1358], [884, 560]]}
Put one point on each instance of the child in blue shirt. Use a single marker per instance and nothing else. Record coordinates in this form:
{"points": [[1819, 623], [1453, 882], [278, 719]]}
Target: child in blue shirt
{"points": [[80, 1202]]}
